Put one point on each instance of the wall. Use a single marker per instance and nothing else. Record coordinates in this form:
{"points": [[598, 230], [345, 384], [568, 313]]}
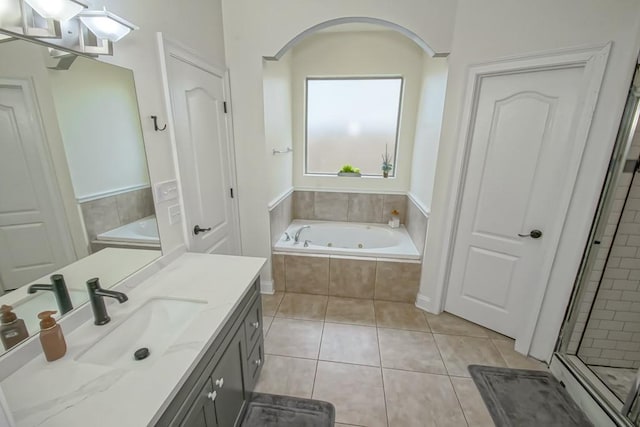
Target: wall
{"points": [[100, 125], [357, 54], [612, 334], [26, 60], [428, 127], [492, 29], [254, 30], [196, 24], [278, 125]]}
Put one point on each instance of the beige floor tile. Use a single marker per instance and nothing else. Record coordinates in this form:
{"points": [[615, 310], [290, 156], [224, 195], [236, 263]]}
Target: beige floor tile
{"points": [[270, 303], [303, 306], [475, 411], [351, 310], [356, 392], [350, 344], [498, 336], [516, 360], [458, 352], [448, 324], [266, 324], [399, 315], [288, 376], [295, 338], [419, 399], [410, 350]]}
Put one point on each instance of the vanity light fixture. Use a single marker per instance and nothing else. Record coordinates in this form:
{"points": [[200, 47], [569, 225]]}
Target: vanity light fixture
{"points": [[62, 24], [106, 25], [60, 10]]}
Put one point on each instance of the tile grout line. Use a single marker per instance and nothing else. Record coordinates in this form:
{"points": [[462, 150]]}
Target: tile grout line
{"points": [[315, 376], [384, 391], [464, 415]]}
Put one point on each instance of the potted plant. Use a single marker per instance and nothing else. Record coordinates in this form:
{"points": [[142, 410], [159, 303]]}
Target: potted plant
{"points": [[348, 170], [387, 166]]}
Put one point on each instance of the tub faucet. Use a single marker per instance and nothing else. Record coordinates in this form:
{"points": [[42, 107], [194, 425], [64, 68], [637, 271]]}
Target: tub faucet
{"points": [[296, 238], [96, 296], [60, 291]]}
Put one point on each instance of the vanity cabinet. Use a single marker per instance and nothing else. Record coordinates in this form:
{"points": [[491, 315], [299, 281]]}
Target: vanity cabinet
{"points": [[215, 393]]}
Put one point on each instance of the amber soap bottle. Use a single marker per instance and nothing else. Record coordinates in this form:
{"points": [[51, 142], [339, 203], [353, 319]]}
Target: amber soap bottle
{"points": [[12, 330], [51, 337]]}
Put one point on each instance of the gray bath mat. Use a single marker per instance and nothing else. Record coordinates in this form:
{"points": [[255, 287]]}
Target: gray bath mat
{"points": [[269, 410], [520, 398]]}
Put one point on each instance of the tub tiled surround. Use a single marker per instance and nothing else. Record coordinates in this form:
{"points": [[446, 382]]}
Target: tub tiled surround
{"points": [[347, 277], [110, 212], [348, 207], [280, 216], [416, 224]]}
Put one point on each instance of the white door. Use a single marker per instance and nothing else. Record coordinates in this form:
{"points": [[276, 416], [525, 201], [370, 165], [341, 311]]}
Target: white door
{"points": [[522, 166], [205, 155], [33, 237]]}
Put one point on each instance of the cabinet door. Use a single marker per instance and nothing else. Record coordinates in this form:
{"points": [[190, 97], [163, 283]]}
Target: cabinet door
{"points": [[227, 379], [203, 411]]}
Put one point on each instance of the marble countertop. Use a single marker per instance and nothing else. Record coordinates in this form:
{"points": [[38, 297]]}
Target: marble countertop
{"points": [[70, 393]]}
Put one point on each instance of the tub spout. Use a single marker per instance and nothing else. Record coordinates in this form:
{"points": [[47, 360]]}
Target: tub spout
{"points": [[296, 238]]}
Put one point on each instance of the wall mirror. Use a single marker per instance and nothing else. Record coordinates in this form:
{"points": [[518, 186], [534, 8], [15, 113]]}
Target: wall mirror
{"points": [[75, 195]]}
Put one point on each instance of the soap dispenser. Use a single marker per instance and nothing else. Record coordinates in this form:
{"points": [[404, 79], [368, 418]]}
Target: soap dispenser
{"points": [[12, 330], [51, 337]]}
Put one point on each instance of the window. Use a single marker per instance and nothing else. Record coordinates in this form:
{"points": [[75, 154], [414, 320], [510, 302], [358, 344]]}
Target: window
{"points": [[351, 121]]}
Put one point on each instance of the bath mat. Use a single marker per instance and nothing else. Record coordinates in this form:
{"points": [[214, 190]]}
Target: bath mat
{"points": [[270, 410], [519, 398]]}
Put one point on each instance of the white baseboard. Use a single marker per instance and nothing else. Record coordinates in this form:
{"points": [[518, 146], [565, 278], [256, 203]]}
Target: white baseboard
{"points": [[424, 303], [266, 287]]}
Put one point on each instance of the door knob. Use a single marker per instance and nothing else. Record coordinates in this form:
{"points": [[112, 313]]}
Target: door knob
{"points": [[534, 234], [197, 230]]}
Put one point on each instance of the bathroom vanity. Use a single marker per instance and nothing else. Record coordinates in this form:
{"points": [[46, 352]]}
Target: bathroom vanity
{"points": [[200, 318]]}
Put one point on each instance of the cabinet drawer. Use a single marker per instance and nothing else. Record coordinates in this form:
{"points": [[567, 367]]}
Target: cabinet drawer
{"points": [[256, 359], [253, 324]]}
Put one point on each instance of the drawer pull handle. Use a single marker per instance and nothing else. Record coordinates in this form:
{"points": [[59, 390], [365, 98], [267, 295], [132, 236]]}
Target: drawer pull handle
{"points": [[212, 395], [258, 362], [256, 325], [220, 382]]}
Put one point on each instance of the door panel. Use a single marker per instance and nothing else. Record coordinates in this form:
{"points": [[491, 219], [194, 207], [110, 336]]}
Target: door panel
{"points": [[32, 243], [204, 155], [520, 146]]}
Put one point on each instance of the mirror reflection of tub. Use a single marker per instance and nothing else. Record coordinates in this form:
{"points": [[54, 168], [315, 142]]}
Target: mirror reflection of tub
{"points": [[142, 234]]}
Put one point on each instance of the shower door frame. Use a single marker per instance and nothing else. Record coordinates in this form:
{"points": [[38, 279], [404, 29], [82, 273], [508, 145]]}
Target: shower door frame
{"points": [[617, 164]]}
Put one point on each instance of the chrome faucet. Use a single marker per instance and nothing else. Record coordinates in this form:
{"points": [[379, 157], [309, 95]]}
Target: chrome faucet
{"points": [[96, 295], [60, 291], [296, 238]]}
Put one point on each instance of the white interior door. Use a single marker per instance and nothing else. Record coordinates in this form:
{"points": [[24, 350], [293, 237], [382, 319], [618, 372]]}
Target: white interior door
{"points": [[33, 236], [522, 165], [205, 155]]}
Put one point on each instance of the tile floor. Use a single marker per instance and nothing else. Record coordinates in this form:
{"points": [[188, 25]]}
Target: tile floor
{"points": [[380, 363], [618, 380]]}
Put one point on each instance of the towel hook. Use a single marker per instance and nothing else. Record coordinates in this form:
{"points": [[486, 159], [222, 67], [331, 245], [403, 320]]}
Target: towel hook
{"points": [[155, 124]]}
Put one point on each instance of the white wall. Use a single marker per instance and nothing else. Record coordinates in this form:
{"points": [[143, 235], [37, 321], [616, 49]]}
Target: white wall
{"points": [[428, 127], [357, 54], [98, 118], [492, 29], [278, 125], [196, 24], [254, 30], [24, 60]]}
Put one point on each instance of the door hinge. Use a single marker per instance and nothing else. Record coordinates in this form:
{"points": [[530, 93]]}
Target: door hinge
{"points": [[224, 106], [231, 191]]}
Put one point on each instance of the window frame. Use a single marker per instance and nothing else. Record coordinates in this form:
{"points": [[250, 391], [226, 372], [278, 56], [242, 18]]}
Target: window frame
{"points": [[306, 172]]}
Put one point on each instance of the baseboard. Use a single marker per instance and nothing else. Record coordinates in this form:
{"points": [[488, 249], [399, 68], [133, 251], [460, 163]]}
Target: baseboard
{"points": [[425, 303], [266, 287]]}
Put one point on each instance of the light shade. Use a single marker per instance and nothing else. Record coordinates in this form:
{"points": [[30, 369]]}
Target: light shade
{"points": [[60, 10], [106, 25]]}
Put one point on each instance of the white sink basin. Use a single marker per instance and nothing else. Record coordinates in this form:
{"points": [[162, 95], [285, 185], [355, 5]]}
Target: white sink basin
{"points": [[28, 308], [155, 326]]}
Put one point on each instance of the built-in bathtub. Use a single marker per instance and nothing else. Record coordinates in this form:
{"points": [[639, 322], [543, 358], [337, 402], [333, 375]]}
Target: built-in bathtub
{"points": [[141, 233], [348, 260], [348, 239]]}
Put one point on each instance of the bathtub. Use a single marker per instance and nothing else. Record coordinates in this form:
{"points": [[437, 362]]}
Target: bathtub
{"points": [[143, 231], [349, 239]]}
